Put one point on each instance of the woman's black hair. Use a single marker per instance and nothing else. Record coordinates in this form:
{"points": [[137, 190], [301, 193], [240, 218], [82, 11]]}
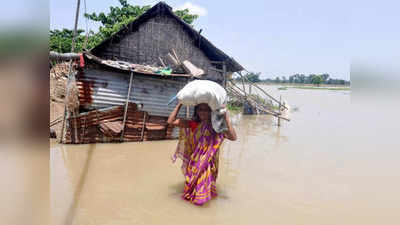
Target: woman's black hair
{"points": [[195, 116]]}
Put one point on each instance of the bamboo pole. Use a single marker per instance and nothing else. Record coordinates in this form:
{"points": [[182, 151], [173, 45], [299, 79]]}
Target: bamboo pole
{"points": [[84, 128], [176, 56], [224, 72], [63, 56], [97, 116], [126, 107], [143, 126], [257, 105], [250, 89], [76, 25], [172, 58], [162, 62], [233, 91], [87, 29], [244, 89], [75, 126], [56, 121], [66, 114]]}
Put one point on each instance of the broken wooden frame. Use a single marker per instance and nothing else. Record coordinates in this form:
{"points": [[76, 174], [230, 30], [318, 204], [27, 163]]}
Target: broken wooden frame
{"points": [[241, 94], [255, 85]]}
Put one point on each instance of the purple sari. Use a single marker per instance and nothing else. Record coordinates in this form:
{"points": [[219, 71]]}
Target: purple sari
{"points": [[199, 150]]}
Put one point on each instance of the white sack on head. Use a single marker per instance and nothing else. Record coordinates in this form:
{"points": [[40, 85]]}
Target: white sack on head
{"points": [[203, 91], [210, 92]]}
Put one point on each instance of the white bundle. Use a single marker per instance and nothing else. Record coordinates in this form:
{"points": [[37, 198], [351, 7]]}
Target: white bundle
{"points": [[203, 91]]}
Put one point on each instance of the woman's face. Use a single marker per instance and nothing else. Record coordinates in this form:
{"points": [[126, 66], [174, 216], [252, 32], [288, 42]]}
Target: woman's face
{"points": [[204, 112]]}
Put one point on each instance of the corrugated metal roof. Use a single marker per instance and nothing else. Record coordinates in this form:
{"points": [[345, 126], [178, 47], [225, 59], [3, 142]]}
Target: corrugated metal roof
{"points": [[99, 89]]}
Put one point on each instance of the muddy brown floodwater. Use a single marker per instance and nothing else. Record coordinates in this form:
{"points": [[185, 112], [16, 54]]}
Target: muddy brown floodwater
{"points": [[310, 171]]}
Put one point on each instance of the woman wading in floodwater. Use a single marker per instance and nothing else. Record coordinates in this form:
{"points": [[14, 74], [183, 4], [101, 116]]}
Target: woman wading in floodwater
{"points": [[198, 147]]}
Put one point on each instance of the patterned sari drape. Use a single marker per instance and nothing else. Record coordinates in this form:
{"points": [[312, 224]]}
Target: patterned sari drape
{"points": [[199, 150]]}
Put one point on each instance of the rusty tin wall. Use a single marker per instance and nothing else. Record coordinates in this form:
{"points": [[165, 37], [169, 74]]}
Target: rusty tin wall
{"points": [[100, 89]]}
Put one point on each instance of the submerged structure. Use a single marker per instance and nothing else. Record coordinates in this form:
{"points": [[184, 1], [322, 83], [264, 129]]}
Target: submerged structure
{"points": [[122, 86]]}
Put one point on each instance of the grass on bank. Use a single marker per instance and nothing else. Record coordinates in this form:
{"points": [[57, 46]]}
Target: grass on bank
{"points": [[234, 108], [319, 88]]}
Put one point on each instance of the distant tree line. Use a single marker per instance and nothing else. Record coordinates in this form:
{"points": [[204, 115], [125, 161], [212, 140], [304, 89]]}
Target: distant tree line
{"points": [[296, 79]]}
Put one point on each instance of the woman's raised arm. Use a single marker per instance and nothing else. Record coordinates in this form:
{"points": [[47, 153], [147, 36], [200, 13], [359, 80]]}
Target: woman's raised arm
{"points": [[172, 120], [230, 133]]}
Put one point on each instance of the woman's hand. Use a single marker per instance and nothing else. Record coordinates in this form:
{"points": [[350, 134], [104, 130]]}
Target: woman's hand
{"points": [[172, 120], [230, 133]]}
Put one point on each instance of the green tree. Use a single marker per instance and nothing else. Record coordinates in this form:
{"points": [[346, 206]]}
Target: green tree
{"points": [[325, 77], [186, 16], [61, 40], [302, 78], [253, 77], [316, 80], [117, 18], [291, 78], [111, 22]]}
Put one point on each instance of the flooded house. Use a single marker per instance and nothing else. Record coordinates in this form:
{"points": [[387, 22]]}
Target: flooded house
{"points": [[124, 84]]}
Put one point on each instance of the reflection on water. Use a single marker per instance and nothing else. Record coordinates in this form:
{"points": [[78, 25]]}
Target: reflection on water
{"points": [[308, 171]]}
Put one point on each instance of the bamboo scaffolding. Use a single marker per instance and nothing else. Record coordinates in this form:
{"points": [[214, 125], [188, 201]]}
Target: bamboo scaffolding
{"points": [[253, 101], [251, 83]]}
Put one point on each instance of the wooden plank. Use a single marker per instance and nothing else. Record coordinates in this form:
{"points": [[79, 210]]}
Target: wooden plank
{"points": [[176, 56], [192, 69], [162, 62]]}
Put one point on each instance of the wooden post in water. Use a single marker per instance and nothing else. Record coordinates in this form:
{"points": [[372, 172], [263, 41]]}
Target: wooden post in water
{"points": [[244, 89], [224, 73], [143, 126], [98, 123], [249, 89], [126, 107], [280, 104], [83, 132]]}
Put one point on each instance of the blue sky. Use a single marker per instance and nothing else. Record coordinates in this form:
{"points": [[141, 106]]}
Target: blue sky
{"points": [[280, 38]]}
